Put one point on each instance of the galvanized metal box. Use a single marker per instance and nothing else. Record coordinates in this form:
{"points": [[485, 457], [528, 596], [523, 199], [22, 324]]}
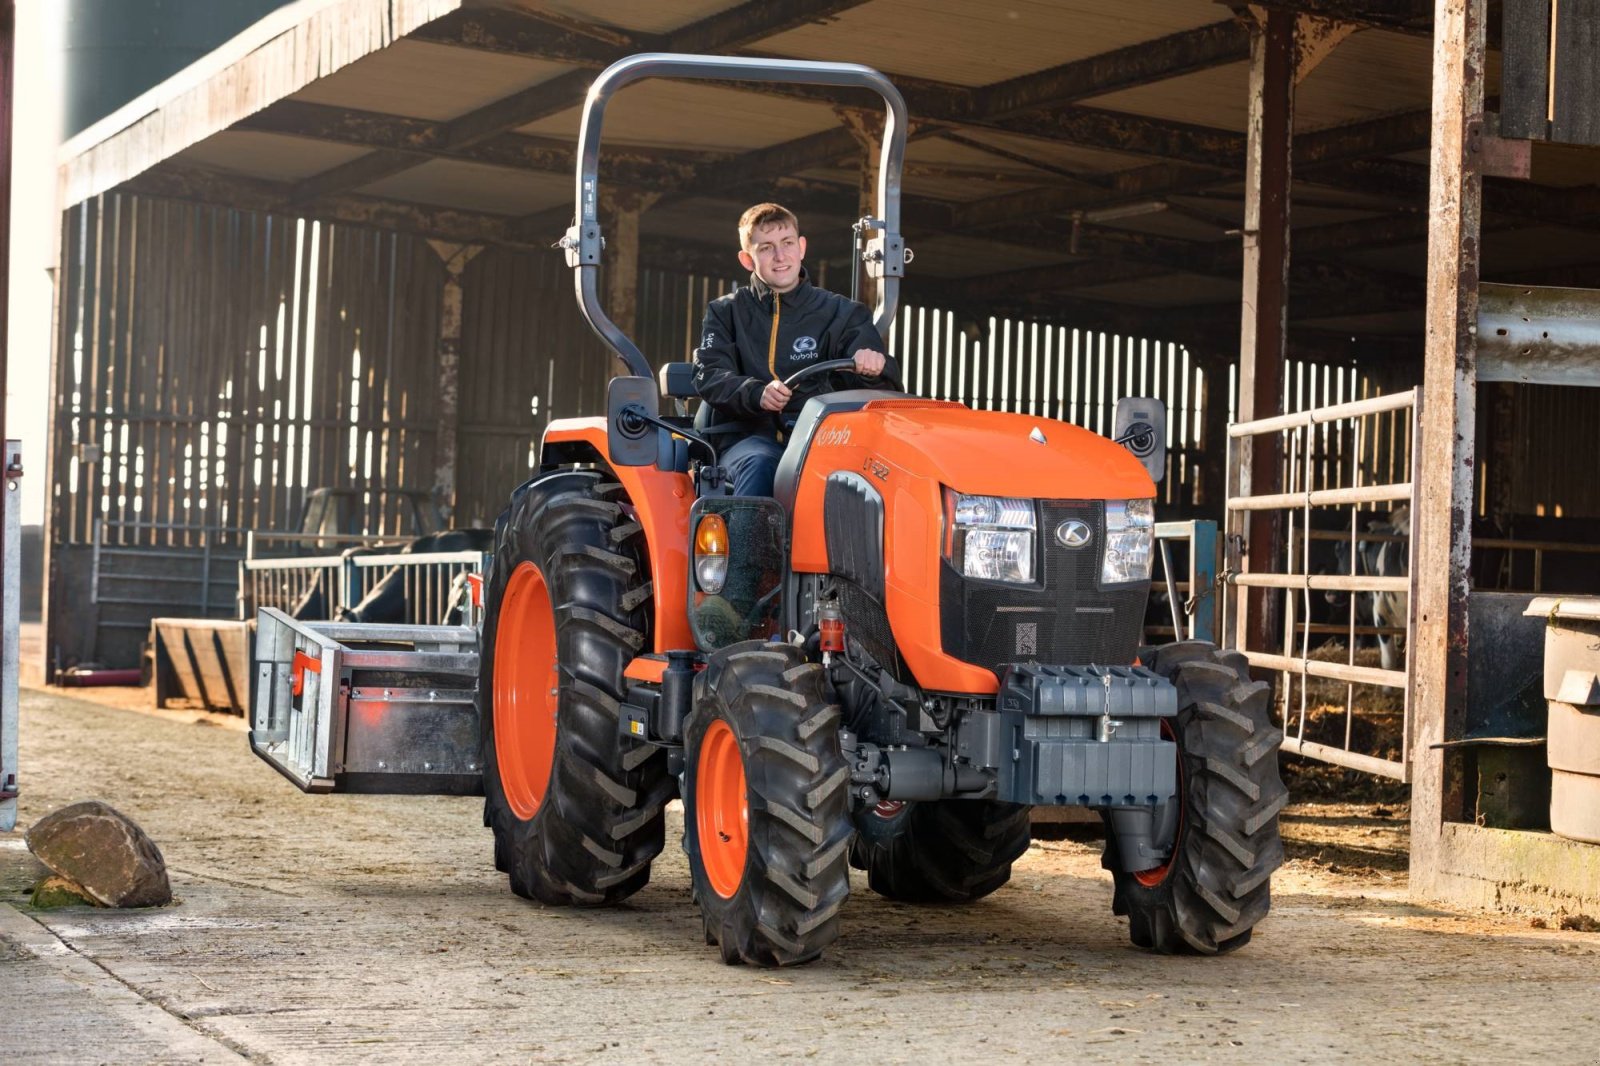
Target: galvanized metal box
{"points": [[349, 707]]}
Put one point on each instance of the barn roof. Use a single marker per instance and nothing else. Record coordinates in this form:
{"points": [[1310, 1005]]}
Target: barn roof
{"points": [[1066, 155]]}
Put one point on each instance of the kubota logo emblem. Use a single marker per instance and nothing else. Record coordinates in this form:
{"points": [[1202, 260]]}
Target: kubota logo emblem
{"points": [[1073, 533], [834, 437]]}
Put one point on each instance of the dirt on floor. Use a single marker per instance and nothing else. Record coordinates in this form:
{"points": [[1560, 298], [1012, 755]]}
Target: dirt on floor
{"points": [[374, 928]]}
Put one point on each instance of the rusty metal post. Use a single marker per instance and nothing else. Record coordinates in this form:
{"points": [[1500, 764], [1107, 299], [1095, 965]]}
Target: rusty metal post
{"points": [[1264, 318], [623, 207], [1443, 524], [867, 128], [448, 401]]}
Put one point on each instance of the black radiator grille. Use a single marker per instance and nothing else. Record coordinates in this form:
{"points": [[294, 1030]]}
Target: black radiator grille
{"points": [[1069, 620]]}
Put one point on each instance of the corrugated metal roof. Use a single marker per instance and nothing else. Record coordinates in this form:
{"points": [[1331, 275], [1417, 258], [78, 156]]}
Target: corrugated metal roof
{"points": [[425, 80], [984, 42], [478, 112], [677, 114], [266, 155], [475, 187]]}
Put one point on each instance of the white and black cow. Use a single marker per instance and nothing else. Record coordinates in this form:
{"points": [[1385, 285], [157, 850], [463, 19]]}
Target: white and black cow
{"points": [[1382, 558]]}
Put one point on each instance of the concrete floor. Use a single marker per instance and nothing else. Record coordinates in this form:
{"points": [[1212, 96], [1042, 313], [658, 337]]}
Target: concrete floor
{"points": [[354, 929]]}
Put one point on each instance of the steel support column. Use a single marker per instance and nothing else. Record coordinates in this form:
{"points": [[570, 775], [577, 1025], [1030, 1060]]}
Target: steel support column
{"points": [[1264, 318], [456, 257], [1443, 524]]}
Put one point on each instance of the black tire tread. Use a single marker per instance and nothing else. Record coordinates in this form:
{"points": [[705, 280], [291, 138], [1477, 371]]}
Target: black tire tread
{"points": [[1228, 844], [602, 821], [786, 910]]}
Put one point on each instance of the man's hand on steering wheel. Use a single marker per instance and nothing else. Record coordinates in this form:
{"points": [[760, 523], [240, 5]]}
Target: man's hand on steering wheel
{"points": [[775, 397], [869, 364]]}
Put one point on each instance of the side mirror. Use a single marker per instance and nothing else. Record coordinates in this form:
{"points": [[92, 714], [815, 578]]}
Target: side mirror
{"points": [[630, 439], [1140, 423]]}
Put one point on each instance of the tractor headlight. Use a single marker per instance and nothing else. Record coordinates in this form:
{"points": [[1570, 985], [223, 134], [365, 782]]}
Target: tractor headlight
{"points": [[1130, 536], [990, 537]]}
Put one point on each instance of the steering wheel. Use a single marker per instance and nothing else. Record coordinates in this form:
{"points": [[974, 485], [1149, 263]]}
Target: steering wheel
{"points": [[827, 366]]}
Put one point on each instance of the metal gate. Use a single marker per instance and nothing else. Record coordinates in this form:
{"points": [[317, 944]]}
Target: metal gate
{"points": [[1382, 432]]}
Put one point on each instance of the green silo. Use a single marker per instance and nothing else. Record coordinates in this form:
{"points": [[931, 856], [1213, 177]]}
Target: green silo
{"points": [[116, 49]]}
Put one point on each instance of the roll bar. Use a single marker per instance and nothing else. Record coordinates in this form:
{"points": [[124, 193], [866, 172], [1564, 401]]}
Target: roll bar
{"points": [[885, 255]]}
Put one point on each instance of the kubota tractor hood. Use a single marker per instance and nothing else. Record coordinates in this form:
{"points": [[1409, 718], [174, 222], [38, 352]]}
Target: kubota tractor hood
{"points": [[993, 453]]}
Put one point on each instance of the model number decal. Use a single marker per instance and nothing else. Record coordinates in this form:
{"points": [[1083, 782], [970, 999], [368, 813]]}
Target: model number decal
{"points": [[877, 468]]}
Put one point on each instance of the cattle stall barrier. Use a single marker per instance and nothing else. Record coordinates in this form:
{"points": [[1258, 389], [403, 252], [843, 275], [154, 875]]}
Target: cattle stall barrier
{"points": [[1292, 659], [433, 585]]}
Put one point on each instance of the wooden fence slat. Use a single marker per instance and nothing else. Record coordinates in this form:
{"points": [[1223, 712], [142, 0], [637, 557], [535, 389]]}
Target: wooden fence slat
{"points": [[1577, 73]]}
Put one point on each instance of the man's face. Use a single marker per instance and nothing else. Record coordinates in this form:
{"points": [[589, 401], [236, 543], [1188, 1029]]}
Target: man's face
{"points": [[774, 255]]}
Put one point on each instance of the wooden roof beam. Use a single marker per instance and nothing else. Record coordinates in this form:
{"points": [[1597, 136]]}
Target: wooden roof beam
{"points": [[197, 184], [1172, 56], [1323, 148], [422, 138], [1403, 16], [1032, 105]]}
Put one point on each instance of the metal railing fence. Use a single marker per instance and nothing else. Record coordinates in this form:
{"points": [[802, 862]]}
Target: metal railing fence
{"points": [[428, 586], [1293, 658]]}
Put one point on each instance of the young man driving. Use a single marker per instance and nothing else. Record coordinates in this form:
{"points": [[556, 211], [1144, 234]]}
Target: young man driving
{"points": [[757, 336]]}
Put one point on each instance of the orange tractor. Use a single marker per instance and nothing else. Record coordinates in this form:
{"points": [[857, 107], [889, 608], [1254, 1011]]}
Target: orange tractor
{"points": [[933, 626]]}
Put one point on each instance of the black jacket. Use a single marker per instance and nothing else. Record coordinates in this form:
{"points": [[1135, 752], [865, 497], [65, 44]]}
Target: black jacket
{"points": [[739, 351]]}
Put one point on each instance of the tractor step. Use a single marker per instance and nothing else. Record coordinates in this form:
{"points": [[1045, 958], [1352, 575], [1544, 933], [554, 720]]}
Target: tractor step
{"points": [[359, 707]]}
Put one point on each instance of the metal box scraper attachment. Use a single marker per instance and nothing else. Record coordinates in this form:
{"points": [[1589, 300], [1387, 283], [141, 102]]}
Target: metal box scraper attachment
{"points": [[343, 707]]}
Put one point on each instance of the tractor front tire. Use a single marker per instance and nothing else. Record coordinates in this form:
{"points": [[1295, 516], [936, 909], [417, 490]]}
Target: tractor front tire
{"points": [[766, 805], [1216, 885], [940, 851], [577, 808]]}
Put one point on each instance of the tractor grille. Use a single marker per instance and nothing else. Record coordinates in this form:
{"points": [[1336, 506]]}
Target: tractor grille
{"points": [[1069, 621]]}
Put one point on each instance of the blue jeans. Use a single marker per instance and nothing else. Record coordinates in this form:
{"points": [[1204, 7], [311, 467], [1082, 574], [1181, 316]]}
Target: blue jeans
{"points": [[752, 463]]}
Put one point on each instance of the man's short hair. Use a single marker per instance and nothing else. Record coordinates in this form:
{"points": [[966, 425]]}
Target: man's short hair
{"points": [[764, 215]]}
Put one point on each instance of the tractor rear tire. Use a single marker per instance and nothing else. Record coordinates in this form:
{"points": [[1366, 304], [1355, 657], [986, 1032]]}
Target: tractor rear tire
{"points": [[766, 805], [940, 851], [1209, 895], [576, 807]]}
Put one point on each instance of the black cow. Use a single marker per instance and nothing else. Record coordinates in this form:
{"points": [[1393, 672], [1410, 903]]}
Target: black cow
{"points": [[386, 600]]}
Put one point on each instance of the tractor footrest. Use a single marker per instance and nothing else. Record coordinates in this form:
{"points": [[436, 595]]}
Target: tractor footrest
{"points": [[356, 707]]}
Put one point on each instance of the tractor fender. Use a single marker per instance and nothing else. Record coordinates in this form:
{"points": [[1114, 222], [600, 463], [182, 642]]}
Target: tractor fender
{"points": [[661, 501]]}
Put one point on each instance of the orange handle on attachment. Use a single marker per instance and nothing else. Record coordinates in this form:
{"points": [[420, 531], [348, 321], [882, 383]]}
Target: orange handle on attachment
{"points": [[297, 672]]}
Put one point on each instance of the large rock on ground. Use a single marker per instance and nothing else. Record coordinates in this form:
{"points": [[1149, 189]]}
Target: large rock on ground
{"points": [[101, 849]]}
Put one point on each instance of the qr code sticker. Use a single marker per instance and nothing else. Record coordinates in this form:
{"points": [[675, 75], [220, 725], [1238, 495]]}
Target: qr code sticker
{"points": [[1027, 638]]}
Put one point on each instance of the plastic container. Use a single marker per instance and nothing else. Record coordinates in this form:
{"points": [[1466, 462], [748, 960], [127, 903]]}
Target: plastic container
{"points": [[1572, 692]]}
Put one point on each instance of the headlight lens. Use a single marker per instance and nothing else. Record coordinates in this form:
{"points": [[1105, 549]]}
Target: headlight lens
{"points": [[711, 554], [1130, 536], [990, 537]]}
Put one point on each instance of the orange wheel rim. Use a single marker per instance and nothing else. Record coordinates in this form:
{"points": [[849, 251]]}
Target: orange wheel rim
{"points": [[526, 682], [722, 811], [1152, 878]]}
